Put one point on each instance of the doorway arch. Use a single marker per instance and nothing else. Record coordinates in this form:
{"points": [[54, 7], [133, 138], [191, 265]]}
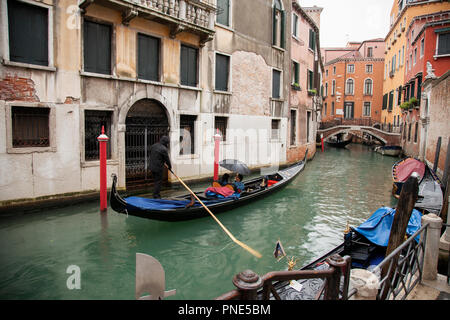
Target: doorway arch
{"points": [[146, 122]]}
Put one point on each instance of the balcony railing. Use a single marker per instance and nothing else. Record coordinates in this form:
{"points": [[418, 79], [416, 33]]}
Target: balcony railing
{"points": [[195, 16]]}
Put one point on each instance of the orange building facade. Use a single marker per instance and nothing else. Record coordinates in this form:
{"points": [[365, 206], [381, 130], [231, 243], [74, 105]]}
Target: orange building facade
{"points": [[353, 81]]}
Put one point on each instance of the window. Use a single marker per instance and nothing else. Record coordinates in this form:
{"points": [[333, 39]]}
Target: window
{"points": [[351, 68], [275, 129], [278, 26], [97, 47], [398, 62], [187, 134], [28, 33], [310, 80], [369, 68], [369, 52], [366, 111], [349, 87], [294, 25], [403, 55], [409, 132], [326, 73], [334, 70], [308, 126], [189, 66], [223, 12], [422, 47], [222, 72], [368, 84], [391, 100], [416, 129], [332, 108], [333, 87], [399, 95], [312, 39], [221, 123], [325, 109], [30, 127], [93, 122], [404, 130], [415, 56], [410, 61], [443, 43], [276, 84], [326, 89], [293, 127], [148, 57], [385, 101], [295, 73]]}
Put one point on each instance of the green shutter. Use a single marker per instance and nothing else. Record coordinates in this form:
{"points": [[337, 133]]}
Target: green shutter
{"points": [[148, 57]]}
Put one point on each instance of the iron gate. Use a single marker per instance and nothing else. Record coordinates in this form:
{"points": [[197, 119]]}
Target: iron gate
{"points": [[141, 133]]}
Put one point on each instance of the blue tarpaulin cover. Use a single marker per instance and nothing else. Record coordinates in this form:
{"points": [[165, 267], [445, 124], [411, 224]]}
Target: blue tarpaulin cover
{"points": [[166, 204], [378, 227]]}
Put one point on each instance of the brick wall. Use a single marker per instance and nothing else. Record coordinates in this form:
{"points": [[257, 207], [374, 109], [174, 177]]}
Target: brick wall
{"points": [[15, 88]]}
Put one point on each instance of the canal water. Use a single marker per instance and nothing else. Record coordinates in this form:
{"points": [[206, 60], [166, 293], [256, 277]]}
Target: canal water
{"points": [[308, 217]]}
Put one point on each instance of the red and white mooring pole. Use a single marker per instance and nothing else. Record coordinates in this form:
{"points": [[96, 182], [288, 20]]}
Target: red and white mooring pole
{"points": [[217, 138], [103, 140]]}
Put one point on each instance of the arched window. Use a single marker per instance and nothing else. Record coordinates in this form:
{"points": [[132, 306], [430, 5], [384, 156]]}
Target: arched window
{"points": [[278, 27], [368, 84], [349, 86]]}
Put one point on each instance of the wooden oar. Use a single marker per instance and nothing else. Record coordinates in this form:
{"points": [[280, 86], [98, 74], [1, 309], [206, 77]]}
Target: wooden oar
{"points": [[243, 245]]}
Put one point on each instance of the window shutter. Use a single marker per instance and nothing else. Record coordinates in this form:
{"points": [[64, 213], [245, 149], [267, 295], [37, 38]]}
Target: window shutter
{"points": [[148, 57], [274, 26], [276, 84], [97, 47], [28, 33], [283, 30], [222, 69]]}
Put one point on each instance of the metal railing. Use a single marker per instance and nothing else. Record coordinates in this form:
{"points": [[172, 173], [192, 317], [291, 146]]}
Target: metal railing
{"points": [[335, 278], [403, 268]]}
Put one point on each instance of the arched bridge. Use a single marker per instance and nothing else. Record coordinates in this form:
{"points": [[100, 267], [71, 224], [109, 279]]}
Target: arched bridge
{"points": [[329, 129]]}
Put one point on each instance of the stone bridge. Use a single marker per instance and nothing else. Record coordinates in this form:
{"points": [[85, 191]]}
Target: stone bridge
{"points": [[386, 138]]}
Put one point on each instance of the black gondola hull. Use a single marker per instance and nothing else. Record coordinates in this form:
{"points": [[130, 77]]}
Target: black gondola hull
{"points": [[182, 214]]}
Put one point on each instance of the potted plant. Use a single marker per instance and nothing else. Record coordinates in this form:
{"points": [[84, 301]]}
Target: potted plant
{"points": [[405, 106], [296, 86], [414, 102], [312, 92]]}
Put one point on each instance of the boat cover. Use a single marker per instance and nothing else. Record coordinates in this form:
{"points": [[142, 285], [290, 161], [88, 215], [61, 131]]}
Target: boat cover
{"points": [[169, 204], [407, 167], [378, 227]]}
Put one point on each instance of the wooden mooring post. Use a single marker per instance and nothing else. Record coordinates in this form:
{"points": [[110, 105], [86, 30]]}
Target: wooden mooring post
{"points": [[405, 206]]}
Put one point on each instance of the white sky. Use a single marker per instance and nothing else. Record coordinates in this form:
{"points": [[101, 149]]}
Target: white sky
{"points": [[351, 20]]}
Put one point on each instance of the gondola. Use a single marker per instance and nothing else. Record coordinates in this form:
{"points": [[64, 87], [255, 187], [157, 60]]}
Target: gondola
{"points": [[339, 144], [393, 151], [430, 197], [181, 208], [365, 244]]}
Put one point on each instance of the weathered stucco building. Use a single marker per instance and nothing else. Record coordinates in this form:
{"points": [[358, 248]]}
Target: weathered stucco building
{"points": [[141, 69], [306, 71]]}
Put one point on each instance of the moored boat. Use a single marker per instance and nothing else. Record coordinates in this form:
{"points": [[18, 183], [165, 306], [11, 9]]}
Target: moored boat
{"points": [[182, 207], [338, 144], [365, 244], [430, 197], [393, 151]]}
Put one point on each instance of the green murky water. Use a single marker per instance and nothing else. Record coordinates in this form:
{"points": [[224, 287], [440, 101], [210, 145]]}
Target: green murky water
{"points": [[199, 259]]}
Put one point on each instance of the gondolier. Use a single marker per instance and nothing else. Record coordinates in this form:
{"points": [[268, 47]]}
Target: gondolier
{"points": [[159, 154]]}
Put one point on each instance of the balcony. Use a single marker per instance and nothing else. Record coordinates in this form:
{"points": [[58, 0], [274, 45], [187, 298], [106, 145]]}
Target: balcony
{"points": [[195, 16]]}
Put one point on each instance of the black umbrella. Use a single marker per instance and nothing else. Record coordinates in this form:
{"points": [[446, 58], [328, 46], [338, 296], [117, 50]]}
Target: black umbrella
{"points": [[235, 165]]}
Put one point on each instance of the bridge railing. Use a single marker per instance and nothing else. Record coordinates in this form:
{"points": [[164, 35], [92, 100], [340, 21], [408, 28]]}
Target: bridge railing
{"points": [[367, 122], [363, 122]]}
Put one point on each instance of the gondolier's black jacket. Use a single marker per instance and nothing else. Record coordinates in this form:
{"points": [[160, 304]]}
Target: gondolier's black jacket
{"points": [[159, 154]]}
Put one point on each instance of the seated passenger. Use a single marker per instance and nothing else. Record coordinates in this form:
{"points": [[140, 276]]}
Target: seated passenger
{"points": [[238, 184], [223, 181]]}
